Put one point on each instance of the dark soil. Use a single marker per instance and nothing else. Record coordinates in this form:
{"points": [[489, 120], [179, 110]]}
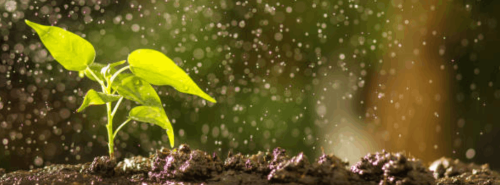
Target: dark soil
{"points": [[186, 166]]}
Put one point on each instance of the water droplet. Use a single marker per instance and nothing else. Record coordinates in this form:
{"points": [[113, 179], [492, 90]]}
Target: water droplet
{"points": [[470, 153]]}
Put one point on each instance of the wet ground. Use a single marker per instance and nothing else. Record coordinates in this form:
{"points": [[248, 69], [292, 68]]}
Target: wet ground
{"points": [[187, 166]]}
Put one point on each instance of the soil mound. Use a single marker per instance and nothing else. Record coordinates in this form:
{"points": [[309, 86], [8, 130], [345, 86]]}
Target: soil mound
{"points": [[187, 166]]}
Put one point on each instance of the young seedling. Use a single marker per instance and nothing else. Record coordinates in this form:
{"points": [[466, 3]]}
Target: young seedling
{"points": [[147, 66]]}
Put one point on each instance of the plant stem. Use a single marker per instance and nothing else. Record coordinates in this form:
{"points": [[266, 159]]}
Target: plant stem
{"points": [[95, 77], [111, 112], [118, 72], [116, 106], [109, 127], [120, 127]]}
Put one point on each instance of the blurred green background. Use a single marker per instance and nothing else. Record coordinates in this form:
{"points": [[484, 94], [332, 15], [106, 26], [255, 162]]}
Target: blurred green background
{"points": [[341, 76]]}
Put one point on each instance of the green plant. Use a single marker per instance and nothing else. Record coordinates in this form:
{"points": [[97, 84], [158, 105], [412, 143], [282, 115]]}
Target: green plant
{"points": [[147, 66]]}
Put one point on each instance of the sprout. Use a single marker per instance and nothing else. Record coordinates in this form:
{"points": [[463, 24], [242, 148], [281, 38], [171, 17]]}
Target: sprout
{"points": [[147, 66]]}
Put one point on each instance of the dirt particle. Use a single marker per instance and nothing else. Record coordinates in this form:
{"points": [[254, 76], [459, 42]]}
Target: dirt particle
{"points": [[103, 165]]}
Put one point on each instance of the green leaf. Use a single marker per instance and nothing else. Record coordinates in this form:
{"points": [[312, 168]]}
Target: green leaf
{"points": [[96, 98], [155, 115], [136, 89], [157, 69], [72, 51]]}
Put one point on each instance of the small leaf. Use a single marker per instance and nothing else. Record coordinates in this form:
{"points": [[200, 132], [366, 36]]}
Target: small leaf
{"points": [[157, 69], [109, 69], [136, 89], [114, 64], [155, 115], [96, 98], [105, 70], [72, 51], [98, 67]]}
